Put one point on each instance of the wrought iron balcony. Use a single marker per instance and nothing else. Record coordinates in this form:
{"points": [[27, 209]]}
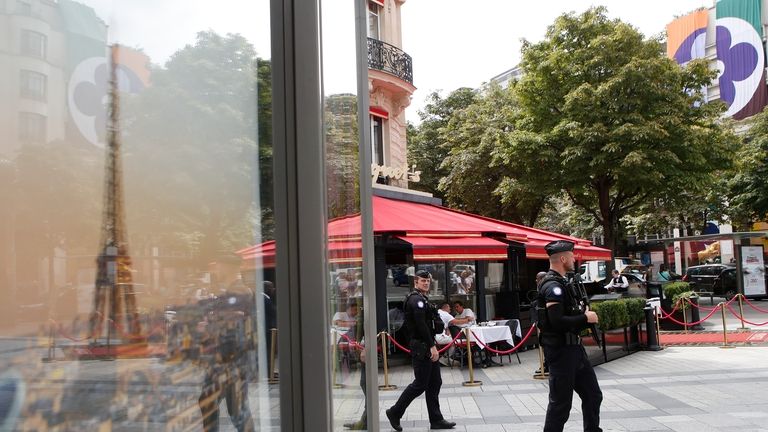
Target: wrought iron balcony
{"points": [[390, 59]]}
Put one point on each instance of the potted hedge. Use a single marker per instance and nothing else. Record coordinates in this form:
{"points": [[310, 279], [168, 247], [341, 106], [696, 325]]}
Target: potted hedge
{"points": [[677, 293]]}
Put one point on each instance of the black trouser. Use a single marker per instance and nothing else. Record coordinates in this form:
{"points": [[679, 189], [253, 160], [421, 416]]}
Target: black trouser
{"points": [[226, 381], [426, 380], [569, 371]]}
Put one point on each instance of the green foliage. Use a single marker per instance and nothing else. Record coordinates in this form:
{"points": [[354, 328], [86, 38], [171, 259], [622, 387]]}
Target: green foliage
{"points": [[635, 307], [192, 142], [679, 290], [426, 147], [612, 122], [748, 187], [611, 314]]}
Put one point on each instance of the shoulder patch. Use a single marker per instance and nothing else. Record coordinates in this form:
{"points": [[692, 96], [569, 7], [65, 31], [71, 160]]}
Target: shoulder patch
{"points": [[420, 304], [557, 291]]}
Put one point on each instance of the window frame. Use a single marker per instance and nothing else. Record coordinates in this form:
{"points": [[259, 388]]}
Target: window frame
{"points": [[26, 90], [30, 49]]}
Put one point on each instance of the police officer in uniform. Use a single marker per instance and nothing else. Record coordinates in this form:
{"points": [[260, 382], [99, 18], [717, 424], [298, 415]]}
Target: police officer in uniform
{"points": [[561, 320], [422, 323]]}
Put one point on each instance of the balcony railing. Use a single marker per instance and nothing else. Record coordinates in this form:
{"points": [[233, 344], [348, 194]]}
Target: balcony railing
{"points": [[390, 59]]}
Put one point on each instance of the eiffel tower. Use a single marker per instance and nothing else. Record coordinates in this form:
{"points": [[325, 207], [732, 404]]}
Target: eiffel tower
{"points": [[114, 305]]}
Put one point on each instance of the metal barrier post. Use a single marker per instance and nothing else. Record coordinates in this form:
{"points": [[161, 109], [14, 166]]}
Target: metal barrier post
{"points": [[741, 313], [51, 346], [684, 306], [272, 349], [725, 331], [658, 325], [336, 385], [471, 382], [542, 374], [387, 385]]}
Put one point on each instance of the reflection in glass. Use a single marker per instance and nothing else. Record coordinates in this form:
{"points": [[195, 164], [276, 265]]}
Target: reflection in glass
{"points": [[345, 272], [136, 228]]}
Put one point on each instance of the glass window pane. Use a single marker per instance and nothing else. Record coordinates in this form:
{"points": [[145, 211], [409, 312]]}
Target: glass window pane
{"points": [[136, 224]]}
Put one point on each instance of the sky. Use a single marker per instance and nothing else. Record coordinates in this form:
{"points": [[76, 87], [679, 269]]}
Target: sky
{"points": [[460, 43], [453, 43]]}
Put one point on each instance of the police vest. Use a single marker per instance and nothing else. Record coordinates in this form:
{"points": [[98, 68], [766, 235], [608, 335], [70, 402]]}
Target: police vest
{"points": [[433, 320]]}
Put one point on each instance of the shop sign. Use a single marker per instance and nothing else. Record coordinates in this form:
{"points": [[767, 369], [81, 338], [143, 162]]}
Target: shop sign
{"points": [[395, 173]]}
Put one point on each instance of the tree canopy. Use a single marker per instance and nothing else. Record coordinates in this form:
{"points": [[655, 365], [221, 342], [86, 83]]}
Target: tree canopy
{"points": [[613, 122]]}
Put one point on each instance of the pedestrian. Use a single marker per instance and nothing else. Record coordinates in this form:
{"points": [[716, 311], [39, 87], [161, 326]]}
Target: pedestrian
{"points": [[561, 320], [422, 323]]}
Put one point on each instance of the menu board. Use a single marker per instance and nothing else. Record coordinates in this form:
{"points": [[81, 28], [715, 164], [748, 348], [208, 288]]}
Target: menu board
{"points": [[753, 270]]}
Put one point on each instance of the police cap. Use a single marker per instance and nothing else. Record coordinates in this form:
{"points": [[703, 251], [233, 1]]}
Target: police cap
{"points": [[423, 274], [558, 246]]}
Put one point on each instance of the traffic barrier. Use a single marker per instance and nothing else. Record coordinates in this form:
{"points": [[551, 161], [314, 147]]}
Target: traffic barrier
{"points": [[753, 306], [742, 318], [387, 386], [272, 350], [471, 382], [725, 331]]}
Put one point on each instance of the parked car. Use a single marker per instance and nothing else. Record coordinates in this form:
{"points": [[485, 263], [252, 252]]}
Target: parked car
{"points": [[725, 283], [702, 278]]}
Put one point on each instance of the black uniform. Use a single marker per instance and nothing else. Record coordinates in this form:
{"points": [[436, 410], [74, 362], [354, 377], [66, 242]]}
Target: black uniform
{"points": [[420, 317], [569, 367], [228, 339]]}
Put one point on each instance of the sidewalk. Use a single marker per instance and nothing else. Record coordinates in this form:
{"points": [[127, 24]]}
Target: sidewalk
{"points": [[676, 389]]}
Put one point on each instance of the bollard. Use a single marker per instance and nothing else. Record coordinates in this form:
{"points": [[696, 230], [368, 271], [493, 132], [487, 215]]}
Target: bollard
{"points": [[741, 313], [335, 359], [51, 346], [658, 326], [542, 373], [272, 349], [387, 385], [725, 331], [471, 382], [651, 335]]}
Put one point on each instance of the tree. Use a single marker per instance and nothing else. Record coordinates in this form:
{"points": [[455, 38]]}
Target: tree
{"points": [[425, 147], [476, 178], [611, 121], [748, 188], [193, 142]]}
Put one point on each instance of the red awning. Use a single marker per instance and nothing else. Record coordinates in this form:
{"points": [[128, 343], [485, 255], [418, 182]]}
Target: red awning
{"points": [[462, 235], [456, 248]]}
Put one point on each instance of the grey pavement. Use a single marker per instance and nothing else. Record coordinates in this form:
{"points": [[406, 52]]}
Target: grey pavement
{"points": [[676, 389]]}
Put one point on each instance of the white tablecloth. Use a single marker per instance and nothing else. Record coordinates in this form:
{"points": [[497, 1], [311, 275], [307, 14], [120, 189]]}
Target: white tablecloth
{"points": [[486, 335], [518, 332]]}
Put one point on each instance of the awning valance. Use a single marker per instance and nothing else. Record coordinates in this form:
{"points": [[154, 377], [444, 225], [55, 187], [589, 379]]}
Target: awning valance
{"points": [[456, 248], [534, 249]]}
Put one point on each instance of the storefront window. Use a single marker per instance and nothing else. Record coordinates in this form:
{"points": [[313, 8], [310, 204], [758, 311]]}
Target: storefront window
{"points": [[137, 252]]}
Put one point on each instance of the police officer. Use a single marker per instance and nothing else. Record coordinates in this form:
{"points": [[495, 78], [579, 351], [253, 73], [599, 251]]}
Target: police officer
{"points": [[561, 320], [422, 323]]}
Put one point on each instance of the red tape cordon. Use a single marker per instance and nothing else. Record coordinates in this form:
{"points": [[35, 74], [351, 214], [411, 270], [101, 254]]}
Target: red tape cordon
{"points": [[741, 318], [669, 317], [509, 351], [754, 307], [394, 342]]}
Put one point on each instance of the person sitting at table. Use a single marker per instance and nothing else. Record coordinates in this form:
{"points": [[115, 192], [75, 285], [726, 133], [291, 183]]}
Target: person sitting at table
{"points": [[466, 317], [618, 282], [344, 320], [444, 312]]}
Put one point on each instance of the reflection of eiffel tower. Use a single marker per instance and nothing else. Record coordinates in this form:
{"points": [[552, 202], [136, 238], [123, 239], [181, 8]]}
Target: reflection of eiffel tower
{"points": [[114, 298]]}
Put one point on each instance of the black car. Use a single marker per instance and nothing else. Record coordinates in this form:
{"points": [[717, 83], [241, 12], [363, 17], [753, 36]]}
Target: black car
{"points": [[703, 277], [720, 279]]}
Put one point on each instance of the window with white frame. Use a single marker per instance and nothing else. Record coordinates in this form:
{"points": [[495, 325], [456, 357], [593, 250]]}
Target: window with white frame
{"points": [[33, 44], [377, 140], [33, 85], [32, 127], [374, 11]]}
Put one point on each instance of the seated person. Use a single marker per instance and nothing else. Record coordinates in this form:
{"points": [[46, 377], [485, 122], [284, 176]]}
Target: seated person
{"points": [[465, 318], [665, 275], [444, 311], [618, 282], [347, 319]]}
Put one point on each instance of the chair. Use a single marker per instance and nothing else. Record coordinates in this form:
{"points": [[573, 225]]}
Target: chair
{"points": [[504, 345], [460, 352]]}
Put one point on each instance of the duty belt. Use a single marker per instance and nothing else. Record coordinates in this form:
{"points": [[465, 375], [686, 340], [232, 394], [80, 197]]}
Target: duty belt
{"points": [[560, 339]]}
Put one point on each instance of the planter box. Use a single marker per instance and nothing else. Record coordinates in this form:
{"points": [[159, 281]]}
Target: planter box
{"points": [[617, 343]]}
